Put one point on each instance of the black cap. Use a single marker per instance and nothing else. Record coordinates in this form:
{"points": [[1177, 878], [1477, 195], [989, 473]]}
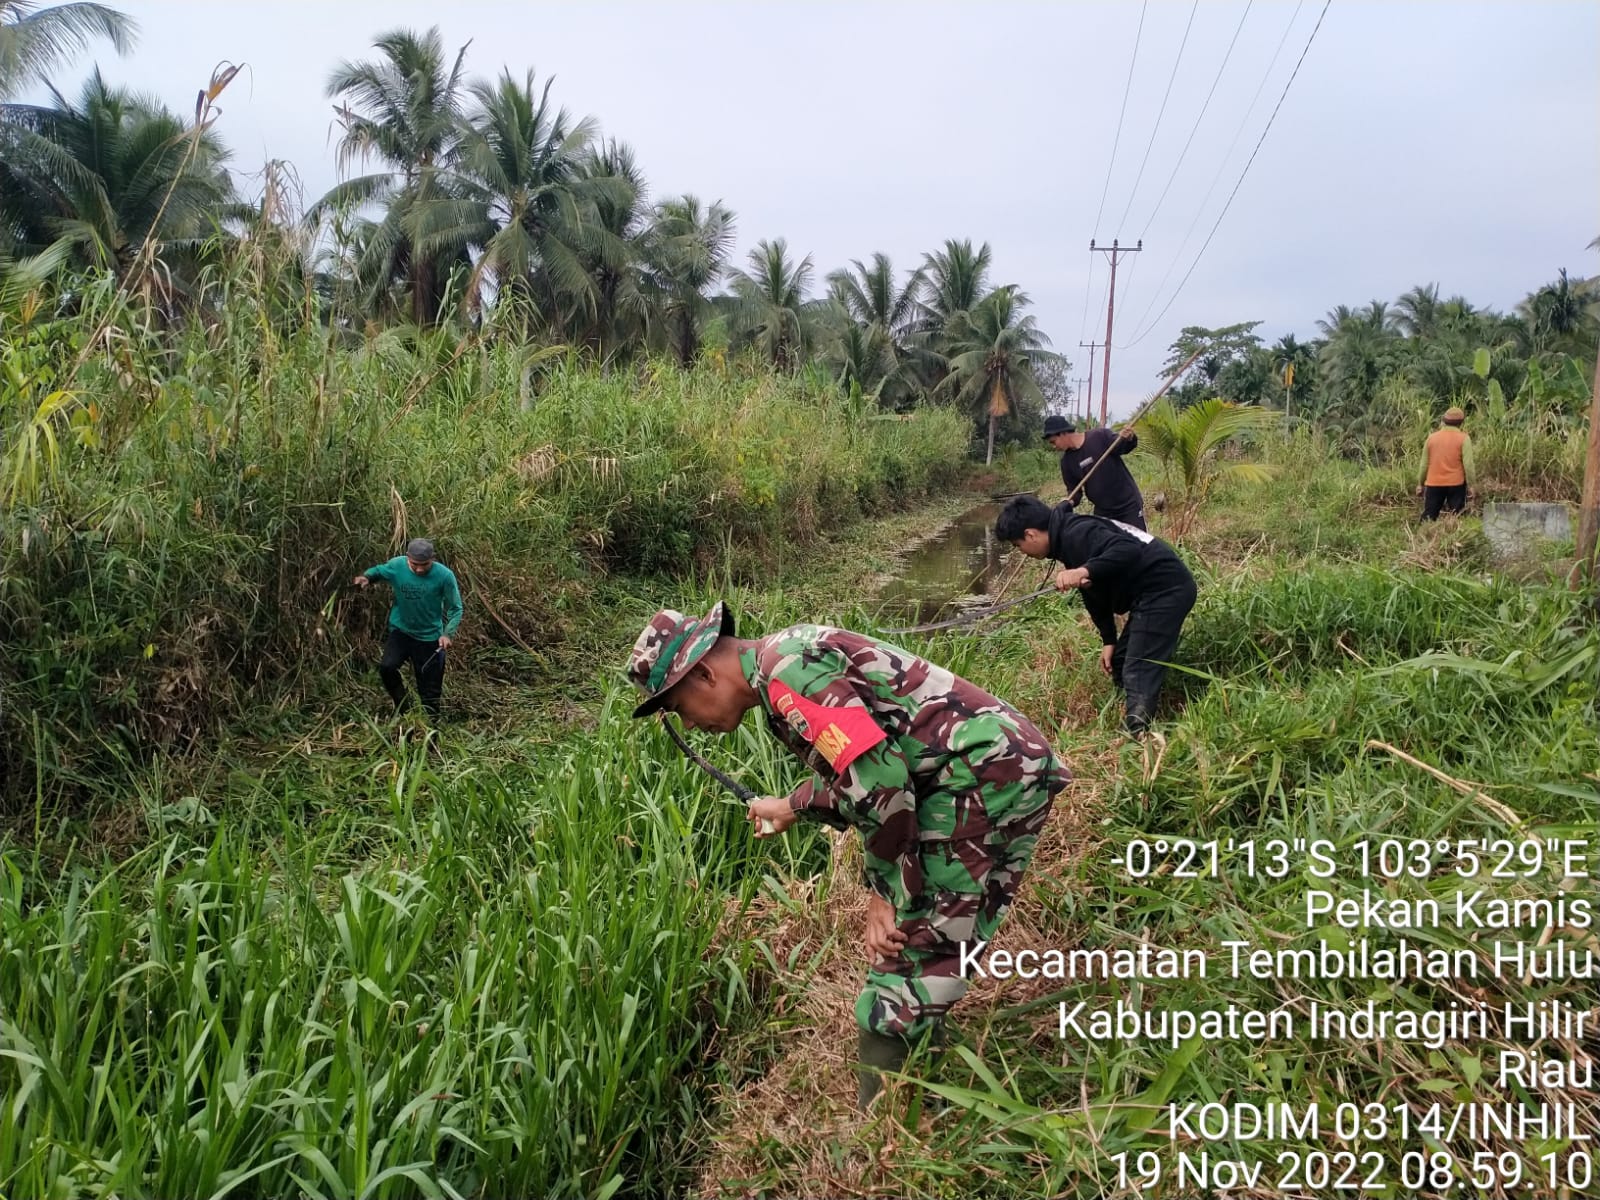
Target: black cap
{"points": [[419, 550], [1055, 424]]}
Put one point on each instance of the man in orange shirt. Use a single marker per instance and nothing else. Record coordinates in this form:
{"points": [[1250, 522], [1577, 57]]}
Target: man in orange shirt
{"points": [[1446, 467]]}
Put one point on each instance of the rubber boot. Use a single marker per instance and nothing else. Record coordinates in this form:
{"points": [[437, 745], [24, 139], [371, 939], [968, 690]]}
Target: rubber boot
{"points": [[1140, 709], [876, 1053]]}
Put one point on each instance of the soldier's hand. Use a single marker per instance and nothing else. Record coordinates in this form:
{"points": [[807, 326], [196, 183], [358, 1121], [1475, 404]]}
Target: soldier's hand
{"points": [[771, 815], [1105, 658], [361, 581], [882, 938]]}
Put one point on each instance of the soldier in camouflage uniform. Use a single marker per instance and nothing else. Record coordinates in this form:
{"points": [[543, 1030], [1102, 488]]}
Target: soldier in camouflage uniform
{"points": [[948, 786]]}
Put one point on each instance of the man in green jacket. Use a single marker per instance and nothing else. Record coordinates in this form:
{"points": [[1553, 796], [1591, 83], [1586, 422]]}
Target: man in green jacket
{"points": [[423, 620]]}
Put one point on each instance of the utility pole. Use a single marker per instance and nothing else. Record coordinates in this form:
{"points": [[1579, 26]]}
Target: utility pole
{"points": [[1115, 253], [1088, 397], [1589, 506]]}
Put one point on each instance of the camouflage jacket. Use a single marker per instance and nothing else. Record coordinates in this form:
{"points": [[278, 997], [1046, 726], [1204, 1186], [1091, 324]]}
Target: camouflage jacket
{"points": [[904, 750]]}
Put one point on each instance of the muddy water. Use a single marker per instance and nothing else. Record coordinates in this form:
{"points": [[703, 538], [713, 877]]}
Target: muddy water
{"points": [[952, 570]]}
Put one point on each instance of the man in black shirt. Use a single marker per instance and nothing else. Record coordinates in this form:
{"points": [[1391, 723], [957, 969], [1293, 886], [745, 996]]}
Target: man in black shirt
{"points": [[1115, 568], [1111, 488]]}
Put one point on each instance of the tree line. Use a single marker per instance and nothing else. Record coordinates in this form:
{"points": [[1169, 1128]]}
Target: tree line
{"points": [[481, 204], [1375, 368]]}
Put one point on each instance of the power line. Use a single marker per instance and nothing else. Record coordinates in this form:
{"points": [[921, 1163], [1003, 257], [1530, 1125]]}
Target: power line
{"points": [[1088, 283], [1161, 112], [1126, 88], [1127, 280], [1246, 171], [1195, 128], [1222, 166]]}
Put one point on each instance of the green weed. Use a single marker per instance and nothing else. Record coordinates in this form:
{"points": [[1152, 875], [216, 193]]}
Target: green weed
{"points": [[517, 993]]}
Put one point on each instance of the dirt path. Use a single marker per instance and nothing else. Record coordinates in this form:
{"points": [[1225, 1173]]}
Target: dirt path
{"points": [[795, 1131]]}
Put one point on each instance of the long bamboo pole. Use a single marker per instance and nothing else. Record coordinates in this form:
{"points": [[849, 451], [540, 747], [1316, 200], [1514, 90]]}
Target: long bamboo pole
{"points": [[1077, 492], [979, 614]]}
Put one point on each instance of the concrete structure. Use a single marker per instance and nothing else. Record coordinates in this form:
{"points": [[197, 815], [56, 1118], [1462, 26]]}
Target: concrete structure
{"points": [[1514, 529]]}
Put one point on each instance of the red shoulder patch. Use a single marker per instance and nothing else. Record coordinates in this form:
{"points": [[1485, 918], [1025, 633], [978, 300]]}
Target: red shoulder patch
{"points": [[840, 734]]}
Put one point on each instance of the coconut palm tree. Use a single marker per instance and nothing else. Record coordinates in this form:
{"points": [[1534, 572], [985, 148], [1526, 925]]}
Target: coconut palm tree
{"points": [[1561, 315], [111, 176], [404, 108], [772, 308], [871, 296], [859, 356], [526, 199], [1459, 319], [991, 352], [1417, 311], [885, 315], [613, 241], [342, 270], [1187, 442], [1506, 332], [688, 251], [1357, 353], [35, 40], [957, 279]]}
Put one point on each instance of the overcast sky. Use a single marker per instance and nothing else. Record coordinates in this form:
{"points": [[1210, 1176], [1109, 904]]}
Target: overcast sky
{"points": [[1456, 143]]}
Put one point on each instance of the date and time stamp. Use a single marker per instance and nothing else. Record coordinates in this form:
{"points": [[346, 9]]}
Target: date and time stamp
{"points": [[1406, 913]]}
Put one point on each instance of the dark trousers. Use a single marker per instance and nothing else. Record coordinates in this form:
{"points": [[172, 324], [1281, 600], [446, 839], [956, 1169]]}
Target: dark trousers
{"points": [[427, 664], [1149, 639], [1134, 517], [1452, 498]]}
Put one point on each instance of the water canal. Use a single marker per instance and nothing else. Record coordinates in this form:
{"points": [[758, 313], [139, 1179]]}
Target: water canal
{"points": [[954, 569]]}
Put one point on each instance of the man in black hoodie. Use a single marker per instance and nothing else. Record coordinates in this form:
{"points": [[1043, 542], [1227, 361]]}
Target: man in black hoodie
{"points": [[1116, 568], [1092, 467]]}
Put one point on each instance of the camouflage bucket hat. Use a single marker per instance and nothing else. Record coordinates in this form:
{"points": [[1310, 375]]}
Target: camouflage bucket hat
{"points": [[668, 647]]}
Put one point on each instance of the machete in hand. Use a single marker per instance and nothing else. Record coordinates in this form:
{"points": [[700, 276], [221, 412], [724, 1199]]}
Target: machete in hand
{"points": [[741, 793]]}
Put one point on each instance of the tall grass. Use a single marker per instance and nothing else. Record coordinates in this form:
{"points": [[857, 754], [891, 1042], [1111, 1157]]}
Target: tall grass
{"points": [[1292, 675], [1520, 457], [174, 551], [521, 994], [1288, 624], [1528, 464], [377, 971]]}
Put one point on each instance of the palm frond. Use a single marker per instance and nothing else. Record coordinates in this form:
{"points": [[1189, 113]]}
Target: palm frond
{"points": [[34, 42]]}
